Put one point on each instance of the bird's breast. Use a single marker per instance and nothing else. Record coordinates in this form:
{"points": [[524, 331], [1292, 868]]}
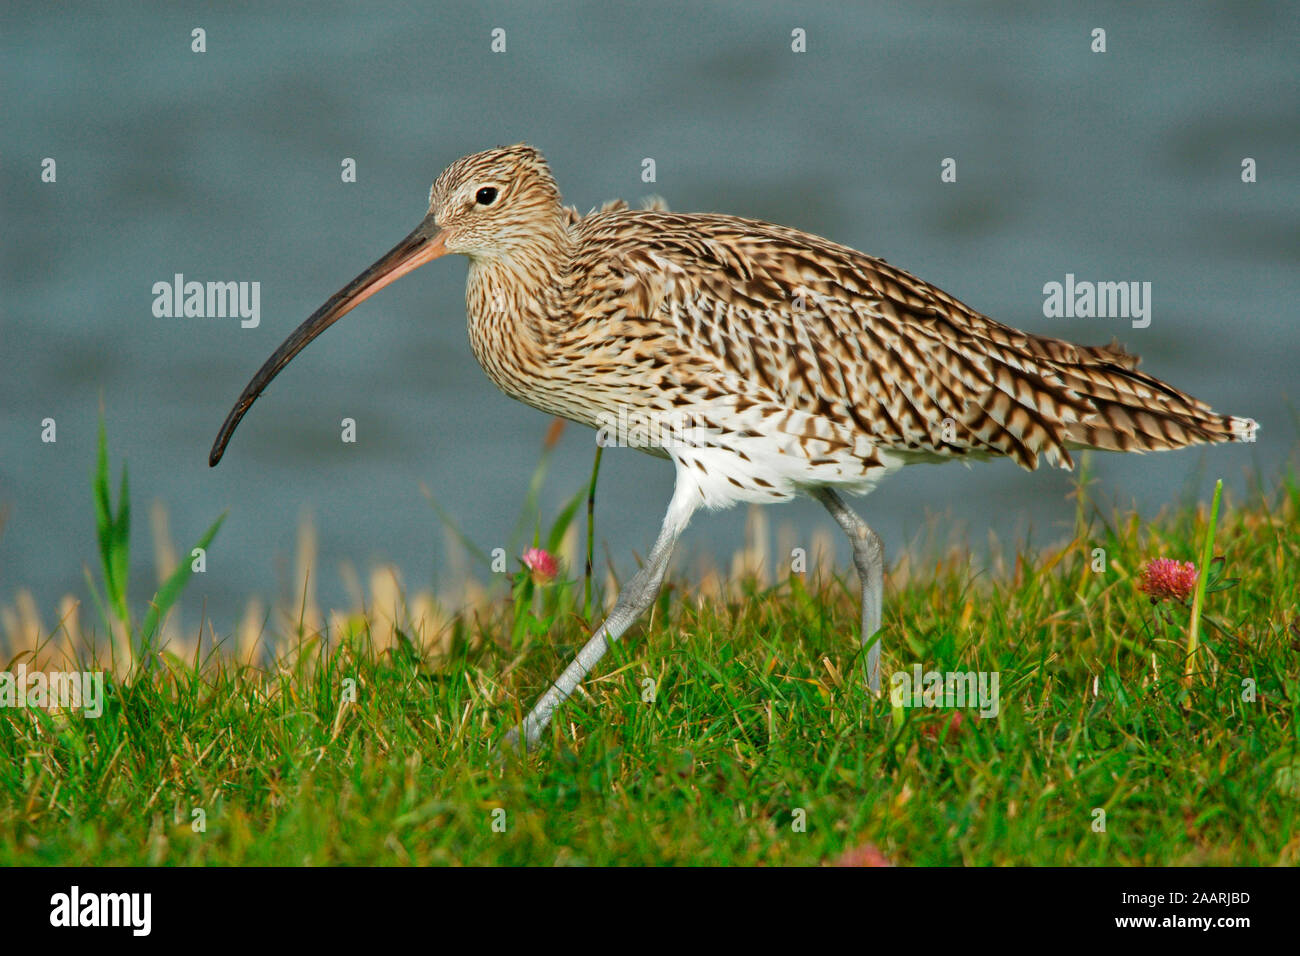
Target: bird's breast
{"points": [[513, 332]]}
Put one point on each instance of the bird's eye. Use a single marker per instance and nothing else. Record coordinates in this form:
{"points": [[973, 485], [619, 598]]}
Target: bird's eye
{"points": [[486, 195]]}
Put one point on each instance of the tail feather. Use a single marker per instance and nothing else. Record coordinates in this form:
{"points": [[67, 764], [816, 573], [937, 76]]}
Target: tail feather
{"points": [[1134, 411], [1047, 396]]}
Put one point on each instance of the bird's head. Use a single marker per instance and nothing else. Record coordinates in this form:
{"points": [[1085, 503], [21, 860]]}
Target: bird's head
{"points": [[493, 205]]}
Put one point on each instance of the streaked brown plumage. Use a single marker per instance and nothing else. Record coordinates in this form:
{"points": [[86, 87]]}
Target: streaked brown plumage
{"points": [[800, 364]]}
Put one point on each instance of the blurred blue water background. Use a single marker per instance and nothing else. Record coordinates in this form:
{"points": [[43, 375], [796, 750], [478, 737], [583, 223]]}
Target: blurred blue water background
{"points": [[226, 166]]}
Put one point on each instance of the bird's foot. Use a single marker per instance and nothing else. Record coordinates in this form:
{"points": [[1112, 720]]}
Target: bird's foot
{"points": [[517, 743]]}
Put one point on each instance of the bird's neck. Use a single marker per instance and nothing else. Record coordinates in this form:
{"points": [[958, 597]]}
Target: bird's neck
{"points": [[512, 302]]}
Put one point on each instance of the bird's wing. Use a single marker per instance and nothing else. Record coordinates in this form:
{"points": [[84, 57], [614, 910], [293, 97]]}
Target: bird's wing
{"points": [[771, 315]]}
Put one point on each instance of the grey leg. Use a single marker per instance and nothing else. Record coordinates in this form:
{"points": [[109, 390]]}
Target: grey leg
{"points": [[869, 559], [633, 601]]}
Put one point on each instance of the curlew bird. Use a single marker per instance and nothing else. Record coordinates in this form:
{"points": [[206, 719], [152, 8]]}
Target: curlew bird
{"points": [[779, 363]]}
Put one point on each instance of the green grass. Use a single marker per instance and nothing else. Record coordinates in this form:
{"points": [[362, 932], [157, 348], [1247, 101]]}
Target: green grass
{"points": [[760, 721]]}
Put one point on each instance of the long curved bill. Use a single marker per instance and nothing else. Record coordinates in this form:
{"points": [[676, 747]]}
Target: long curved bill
{"points": [[423, 245]]}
